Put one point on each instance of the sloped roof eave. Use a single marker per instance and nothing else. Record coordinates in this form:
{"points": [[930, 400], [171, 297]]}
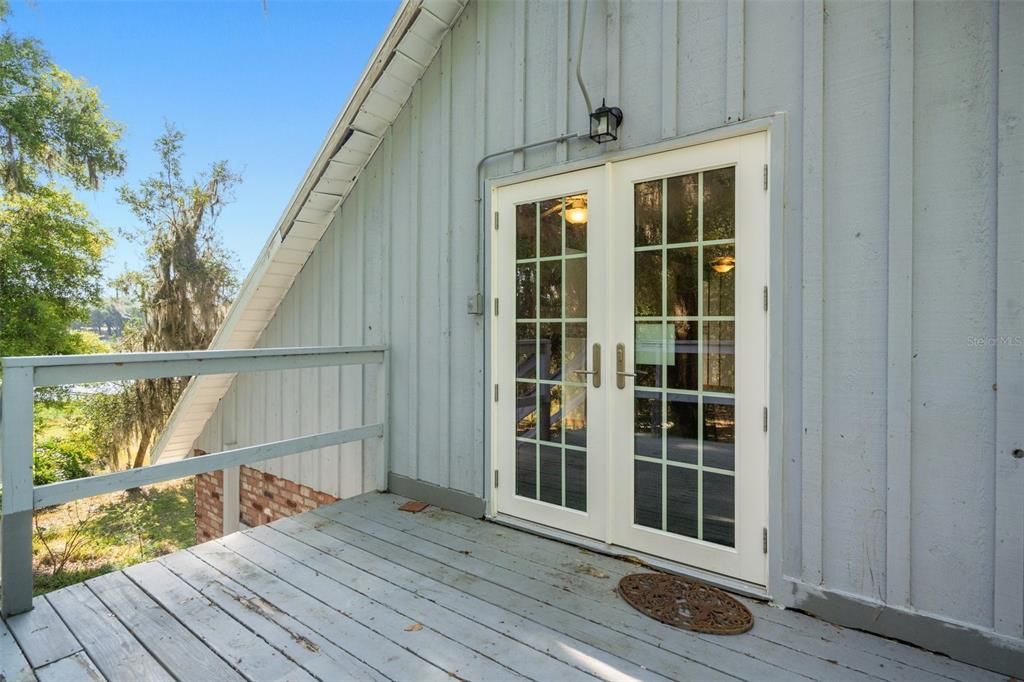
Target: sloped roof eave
{"points": [[405, 51]]}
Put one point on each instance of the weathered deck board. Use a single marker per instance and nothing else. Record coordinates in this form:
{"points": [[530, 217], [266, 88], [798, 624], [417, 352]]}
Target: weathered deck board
{"points": [[489, 643], [359, 590], [390, 659], [320, 656], [692, 651], [43, 636], [526, 555], [13, 665], [73, 668], [165, 638], [247, 653], [538, 635], [786, 628], [432, 644], [114, 650], [835, 665]]}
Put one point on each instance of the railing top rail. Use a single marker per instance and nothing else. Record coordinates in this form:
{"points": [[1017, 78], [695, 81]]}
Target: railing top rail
{"points": [[129, 358], [63, 370]]}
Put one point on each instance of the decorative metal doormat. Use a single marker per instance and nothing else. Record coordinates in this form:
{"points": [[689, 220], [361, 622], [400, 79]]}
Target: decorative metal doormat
{"points": [[686, 603]]}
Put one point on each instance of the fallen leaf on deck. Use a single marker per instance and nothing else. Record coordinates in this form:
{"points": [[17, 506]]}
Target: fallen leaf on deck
{"points": [[590, 570], [415, 627]]}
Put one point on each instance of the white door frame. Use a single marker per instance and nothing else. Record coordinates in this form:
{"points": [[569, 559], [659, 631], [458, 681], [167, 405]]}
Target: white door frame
{"points": [[776, 127]]}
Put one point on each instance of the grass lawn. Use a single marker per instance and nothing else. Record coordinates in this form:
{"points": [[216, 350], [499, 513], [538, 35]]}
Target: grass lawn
{"points": [[91, 537]]}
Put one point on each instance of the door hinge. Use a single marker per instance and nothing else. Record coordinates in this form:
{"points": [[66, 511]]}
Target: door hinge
{"points": [[765, 184], [766, 299], [496, 214], [496, 480], [764, 535], [495, 307], [766, 420], [495, 392]]}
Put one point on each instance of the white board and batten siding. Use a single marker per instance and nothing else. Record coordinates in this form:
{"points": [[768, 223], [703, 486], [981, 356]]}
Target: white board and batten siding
{"points": [[900, 308]]}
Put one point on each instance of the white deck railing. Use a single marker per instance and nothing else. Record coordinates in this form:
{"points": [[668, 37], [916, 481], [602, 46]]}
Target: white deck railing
{"points": [[22, 375]]}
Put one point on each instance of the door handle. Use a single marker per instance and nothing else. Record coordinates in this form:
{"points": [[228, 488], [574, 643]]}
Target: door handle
{"points": [[620, 366], [594, 373]]}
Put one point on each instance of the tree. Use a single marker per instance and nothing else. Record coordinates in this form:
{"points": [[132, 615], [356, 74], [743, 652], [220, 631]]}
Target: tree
{"points": [[183, 292], [50, 271], [50, 122]]}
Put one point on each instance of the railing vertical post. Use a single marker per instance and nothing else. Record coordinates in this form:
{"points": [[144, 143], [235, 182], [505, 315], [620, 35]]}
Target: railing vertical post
{"points": [[231, 494], [16, 524], [384, 399]]}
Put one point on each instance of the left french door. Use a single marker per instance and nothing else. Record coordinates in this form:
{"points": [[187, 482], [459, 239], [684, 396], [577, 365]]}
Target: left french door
{"points": [[549, 264]]}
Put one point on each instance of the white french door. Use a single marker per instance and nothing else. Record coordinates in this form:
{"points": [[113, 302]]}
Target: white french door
{"points": [[632, 372]]}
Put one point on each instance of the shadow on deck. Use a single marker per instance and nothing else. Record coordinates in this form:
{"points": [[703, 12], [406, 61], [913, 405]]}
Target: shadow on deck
{"points": [[359, 590]]}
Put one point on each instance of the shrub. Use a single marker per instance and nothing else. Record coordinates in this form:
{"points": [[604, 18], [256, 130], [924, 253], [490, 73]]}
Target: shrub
{"points": [[63, 458]]}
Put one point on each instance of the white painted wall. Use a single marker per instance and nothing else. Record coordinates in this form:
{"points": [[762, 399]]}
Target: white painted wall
{"points": [[904, 174]]}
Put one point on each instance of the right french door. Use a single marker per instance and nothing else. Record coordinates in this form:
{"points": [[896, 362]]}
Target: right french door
{"points": [[689, 330]]}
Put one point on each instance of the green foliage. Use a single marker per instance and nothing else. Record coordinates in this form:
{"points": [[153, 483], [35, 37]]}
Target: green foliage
{"points": [[84, 539], [50, 122], [62, 459], [50, 271], [110, 419], [183, 292], [64, 448]]}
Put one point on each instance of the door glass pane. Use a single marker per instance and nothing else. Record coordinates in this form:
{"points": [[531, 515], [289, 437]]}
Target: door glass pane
{"points": [[648, 213], [648, 424], [720, 204], [684, 344], [551, 228], [647, 494], [526, 231], [576, 480], [550, 474], [683, 207], [550, 289], [526, 350], [551, 343], [526, 470]]}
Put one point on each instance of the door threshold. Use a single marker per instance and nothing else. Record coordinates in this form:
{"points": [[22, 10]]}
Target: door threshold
{"points": [[726, 583]]}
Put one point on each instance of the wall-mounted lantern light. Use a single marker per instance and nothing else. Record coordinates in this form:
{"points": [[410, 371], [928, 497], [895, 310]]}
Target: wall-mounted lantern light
{"points": [[604, 123]]}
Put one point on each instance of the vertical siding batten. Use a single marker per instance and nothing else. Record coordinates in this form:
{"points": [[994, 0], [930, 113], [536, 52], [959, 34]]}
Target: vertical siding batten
{"points": [[519, 82], [562, 80], [480, 371], [415, 346], [1008, 594], [669, 67], [734, 61], [811, 511], [444, 446], [855, 234], [953, 470], [330, 377], [900, 299], [613, 56]]}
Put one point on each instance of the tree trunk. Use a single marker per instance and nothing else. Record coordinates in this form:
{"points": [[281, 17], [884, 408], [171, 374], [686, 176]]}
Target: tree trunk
{"points": [[140, 453]]}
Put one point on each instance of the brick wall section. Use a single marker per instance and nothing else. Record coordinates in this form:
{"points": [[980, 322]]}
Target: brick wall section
{"points": [[209, 506], [263, 498]]}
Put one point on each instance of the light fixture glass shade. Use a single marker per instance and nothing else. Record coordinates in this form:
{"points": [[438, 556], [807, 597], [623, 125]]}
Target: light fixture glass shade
{"points": [[604, 123]]}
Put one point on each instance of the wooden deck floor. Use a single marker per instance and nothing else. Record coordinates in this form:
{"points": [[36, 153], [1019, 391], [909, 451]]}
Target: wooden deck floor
{"points": [[359, 590]]}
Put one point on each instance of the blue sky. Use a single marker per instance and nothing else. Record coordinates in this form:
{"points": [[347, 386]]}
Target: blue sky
{"points": [[258, 89]]}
